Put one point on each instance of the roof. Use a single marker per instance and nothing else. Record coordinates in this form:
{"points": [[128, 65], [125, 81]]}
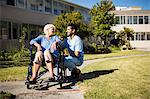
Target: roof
{"points": [[75, 5], [131, 12]]}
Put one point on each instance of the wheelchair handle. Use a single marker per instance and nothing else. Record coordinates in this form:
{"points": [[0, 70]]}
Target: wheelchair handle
{"points": [[31, 47]]}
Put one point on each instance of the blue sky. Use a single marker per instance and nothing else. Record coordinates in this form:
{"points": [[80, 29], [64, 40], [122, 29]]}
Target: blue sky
{"points": [[145, 4]]}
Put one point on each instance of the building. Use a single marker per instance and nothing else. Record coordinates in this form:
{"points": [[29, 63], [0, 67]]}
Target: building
{"points": [[136, 19], [14, 14]]}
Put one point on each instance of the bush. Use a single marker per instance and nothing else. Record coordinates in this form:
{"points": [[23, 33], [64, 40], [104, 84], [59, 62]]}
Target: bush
{"points": [[90, 48], [13, 55], [104, 50], [21, 54], [114, 48], [6, 95], [5, 56]]}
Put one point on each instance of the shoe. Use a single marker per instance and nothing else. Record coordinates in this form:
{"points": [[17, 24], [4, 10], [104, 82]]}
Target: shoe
{"points": [[51, 79], [75, 73], [33, 82]]}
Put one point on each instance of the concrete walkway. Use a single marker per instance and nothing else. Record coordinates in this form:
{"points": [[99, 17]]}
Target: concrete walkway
{"points": [[19, 89]]}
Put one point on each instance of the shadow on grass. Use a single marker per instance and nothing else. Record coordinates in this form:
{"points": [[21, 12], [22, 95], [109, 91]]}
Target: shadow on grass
{"points": [[69, 82], [89, 75], [95, 74]]}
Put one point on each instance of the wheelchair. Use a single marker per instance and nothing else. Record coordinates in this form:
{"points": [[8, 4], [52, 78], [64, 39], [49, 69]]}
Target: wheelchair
{"points": [[59, 75]]}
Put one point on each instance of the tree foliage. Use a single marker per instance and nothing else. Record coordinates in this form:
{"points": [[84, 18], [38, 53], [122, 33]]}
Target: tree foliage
{"points": [[102, 19], [62, 21], [124, 36]]}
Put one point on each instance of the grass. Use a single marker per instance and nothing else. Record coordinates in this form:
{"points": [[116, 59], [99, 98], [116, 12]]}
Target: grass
{"points": [[117, 53], [13, 73], [20, 72], [127, 78]]}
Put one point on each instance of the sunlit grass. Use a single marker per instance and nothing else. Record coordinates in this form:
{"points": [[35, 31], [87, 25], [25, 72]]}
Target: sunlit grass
{"points": [[118, 53], [19, 73], [130, 81], [13, 73]]}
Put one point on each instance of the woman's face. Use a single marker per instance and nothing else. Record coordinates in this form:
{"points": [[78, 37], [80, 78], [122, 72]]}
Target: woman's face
{"points": [[50, 31]]}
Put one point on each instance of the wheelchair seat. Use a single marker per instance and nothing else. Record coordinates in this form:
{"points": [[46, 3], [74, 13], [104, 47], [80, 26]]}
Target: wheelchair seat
{"points": [[58, 64]]}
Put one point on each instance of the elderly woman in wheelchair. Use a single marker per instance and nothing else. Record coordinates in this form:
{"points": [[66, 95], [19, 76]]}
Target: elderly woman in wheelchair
{"points": [[46, 47]]}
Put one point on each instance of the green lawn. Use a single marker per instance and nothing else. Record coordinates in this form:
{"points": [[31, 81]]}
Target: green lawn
{"points": [[19, 73], [13, 73], [118, 53], [127, 78]]}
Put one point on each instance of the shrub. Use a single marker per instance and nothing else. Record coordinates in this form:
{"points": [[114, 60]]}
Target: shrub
{"points": [[114, 48], [6, 95], [104, 50], [5, 56], [90, 48], [21, 54]]}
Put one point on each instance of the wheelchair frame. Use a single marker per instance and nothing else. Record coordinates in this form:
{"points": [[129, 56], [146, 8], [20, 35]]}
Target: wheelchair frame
{"points": [[60, 71]]}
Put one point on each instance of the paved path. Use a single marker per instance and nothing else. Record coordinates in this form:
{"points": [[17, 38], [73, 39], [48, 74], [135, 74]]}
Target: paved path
{"points": [[19, 89], [69, 92]]}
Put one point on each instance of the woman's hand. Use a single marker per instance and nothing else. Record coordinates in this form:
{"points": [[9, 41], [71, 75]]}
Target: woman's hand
{"points": [[38, 47], [53, 46]]}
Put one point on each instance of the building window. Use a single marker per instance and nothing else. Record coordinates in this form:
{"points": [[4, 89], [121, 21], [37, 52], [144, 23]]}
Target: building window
{"points": [[67, 8], [47, 9], [48, 1], [132, 37], [142, 36], [48, 6], [138, 36], [11, 2], [55, 4], [20, 3], [140, 19], [145, 19], [3, 30], [40, 5], [9, 30], [148, 36], [134, 19], [34, 7], [15, 31], [55, 11], [71, 8], [122, 19], [149, 20], [58, 7], [129, 18]]}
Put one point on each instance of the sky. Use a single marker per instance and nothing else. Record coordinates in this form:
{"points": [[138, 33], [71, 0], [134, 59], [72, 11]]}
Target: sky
{"points": [[145, 4]]}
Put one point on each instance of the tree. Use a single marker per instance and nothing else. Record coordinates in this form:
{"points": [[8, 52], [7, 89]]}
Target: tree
{"points": [[62, 21], [124, 37], [102, 19], [24, 32]]}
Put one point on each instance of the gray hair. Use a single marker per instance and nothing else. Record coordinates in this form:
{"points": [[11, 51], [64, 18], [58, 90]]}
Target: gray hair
{"points": [[47, 26]]}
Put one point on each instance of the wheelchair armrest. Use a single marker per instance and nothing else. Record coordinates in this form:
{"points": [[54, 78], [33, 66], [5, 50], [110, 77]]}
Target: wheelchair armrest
{"points": [[59, 46]]}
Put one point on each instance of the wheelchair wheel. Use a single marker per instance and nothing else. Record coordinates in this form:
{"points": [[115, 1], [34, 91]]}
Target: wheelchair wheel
{"points": [[60, 83], [60, 80], [28, 86]]}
